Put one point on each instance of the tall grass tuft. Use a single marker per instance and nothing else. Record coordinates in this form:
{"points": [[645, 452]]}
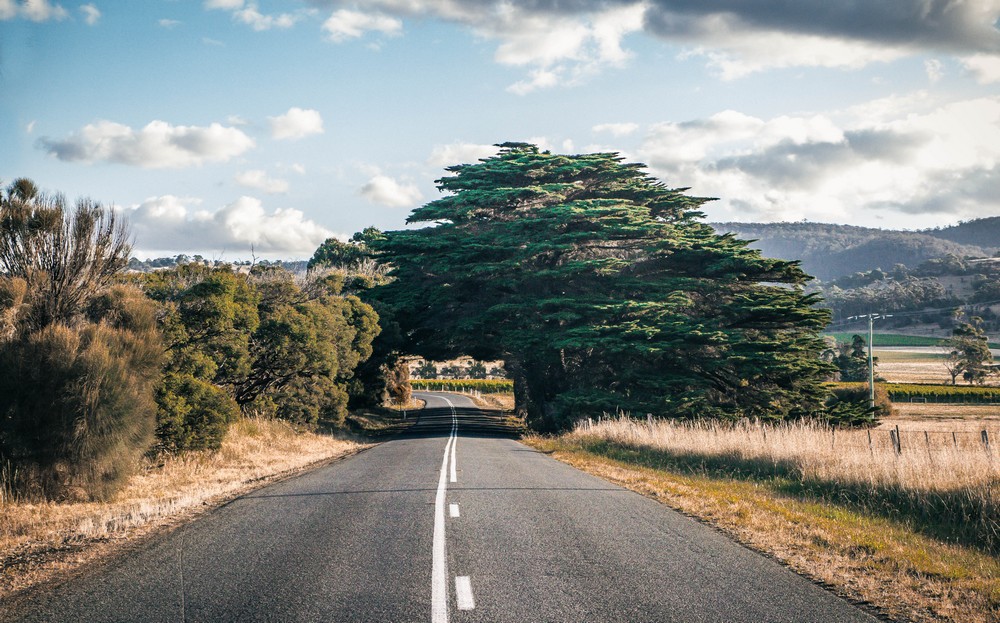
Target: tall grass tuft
{"points": [[945, 486]]}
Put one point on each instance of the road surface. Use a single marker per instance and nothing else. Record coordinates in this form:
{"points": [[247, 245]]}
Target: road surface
{"points": [[448, 524]]}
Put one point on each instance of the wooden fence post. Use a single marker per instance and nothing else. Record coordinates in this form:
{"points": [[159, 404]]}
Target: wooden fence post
{"points": [[870, 448], [986, 442], [894, 437]]}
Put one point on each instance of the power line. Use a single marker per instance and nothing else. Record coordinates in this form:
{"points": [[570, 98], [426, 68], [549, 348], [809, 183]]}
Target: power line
{"points": [[851, 320]]}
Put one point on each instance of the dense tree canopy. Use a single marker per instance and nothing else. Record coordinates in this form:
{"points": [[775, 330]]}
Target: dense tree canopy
{"points": [[262, 342], [602, 290]]}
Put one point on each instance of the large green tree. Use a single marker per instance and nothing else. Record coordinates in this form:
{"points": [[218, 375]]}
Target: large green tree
{"points": [[602, 290]]}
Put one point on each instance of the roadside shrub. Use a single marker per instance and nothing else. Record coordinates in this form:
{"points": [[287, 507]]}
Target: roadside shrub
{"points": [[849, 404], [77, 402], [193, 413]]}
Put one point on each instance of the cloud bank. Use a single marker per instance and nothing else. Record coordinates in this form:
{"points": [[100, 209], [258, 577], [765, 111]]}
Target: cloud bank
{"points": [[903, 155], [158, 145], [170, 224], [561, 42]]}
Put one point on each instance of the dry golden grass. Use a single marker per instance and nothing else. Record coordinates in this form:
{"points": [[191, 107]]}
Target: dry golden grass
{"points": [[916, 365], [503, 402], [872, 524], [412, 405], [39, 539], [914, 372]]}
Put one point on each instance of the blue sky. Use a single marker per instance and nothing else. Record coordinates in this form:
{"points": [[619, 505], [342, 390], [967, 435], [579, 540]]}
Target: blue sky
{"points": [[219, 126]]}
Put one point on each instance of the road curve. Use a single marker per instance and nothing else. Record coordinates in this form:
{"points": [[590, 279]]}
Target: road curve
{"points": [[388, 535]]}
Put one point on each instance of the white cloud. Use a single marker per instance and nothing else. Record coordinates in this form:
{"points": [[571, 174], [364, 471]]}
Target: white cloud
{"points": [[459, 153], [736, 52], [985, 67], [557, 46], [259, 180], [158, 145], [296, 123], [168, 23], [251, 16], [91, 14], [560, 49], [33, 10], [541, 78], [170, 224], [249, 13], [30, 127], [231, 5], [347, 24], [386, 191], [616, 129]]}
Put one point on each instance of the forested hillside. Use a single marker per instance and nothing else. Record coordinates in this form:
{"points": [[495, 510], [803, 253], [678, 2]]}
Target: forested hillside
{"points": [[984, 232], [828, 251]]}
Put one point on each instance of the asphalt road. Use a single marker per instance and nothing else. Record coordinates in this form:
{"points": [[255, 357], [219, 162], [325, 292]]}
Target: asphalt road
{"points": [[413, 531]]}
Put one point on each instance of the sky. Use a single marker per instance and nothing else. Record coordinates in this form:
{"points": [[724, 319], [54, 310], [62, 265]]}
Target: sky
{"points": [[239, 128]]}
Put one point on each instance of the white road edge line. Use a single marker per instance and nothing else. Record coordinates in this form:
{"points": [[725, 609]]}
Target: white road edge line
{"points": [[439, 565], [463, 592], [453, 510]]}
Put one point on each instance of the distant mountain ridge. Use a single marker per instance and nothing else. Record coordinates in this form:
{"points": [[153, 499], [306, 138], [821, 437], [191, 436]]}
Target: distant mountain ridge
{"points": [[828, 251]]}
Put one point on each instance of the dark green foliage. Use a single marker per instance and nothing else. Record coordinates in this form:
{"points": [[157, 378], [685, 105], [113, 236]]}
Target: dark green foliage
{"points": [[852, 360], [262, 343], [192, 413], [306, 348], [335, 253], [602, 291], [347, 256], [207, 316], [850, 403]]}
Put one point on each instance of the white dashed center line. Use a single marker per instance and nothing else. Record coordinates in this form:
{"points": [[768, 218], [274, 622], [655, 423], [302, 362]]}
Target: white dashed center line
{"points": [[453, 510], [463, 591], [439, 564]]}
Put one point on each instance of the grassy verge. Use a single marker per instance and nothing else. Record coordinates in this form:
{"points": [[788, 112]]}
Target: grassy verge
{"points": [[43, 540], [384, 421], [885, 547], [501, 402]]}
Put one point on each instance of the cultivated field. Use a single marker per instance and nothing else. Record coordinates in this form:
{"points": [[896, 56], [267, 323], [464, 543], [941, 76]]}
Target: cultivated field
{"points": [[916, 364]]}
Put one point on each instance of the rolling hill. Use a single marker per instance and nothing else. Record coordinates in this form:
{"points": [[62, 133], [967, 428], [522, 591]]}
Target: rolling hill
{"points": [[828, 251]]}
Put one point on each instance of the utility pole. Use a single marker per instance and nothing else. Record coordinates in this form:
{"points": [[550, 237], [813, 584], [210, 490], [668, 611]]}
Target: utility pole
{"points": [[871, 362]]}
